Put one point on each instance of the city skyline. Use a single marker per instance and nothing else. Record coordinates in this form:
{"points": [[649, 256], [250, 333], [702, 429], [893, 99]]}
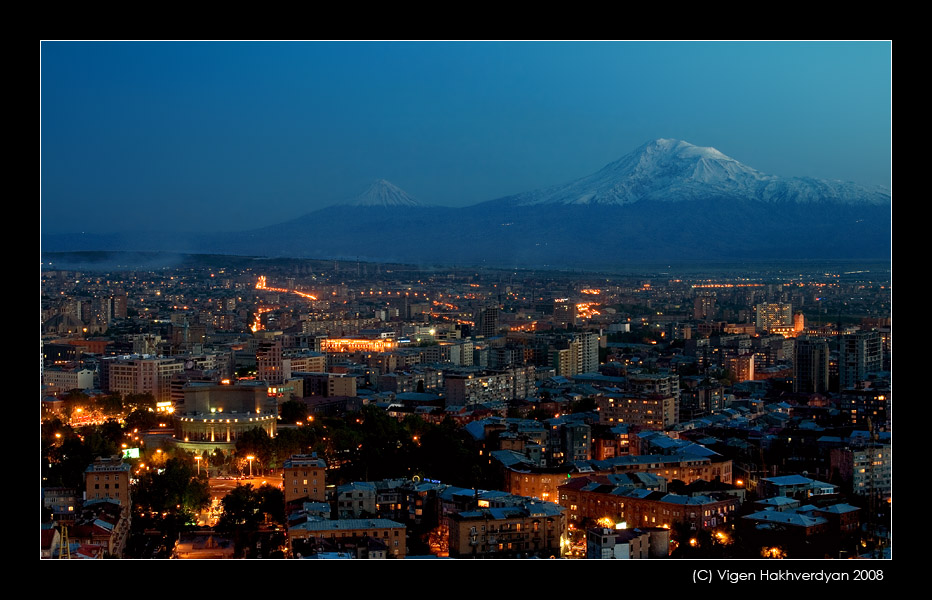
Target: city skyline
{"points": [[209, 132]]}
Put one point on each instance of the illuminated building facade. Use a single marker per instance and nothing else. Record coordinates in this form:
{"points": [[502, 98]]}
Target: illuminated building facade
{"points": [[356, 345], [575, 355], [61, 380], [269, 367], [605, 543], [507, 384], [108, 478], [305, 476], [564, 313], [860, 353], [742, 366], [868, 470], [140, 375], [327, 384], [276, 364], [685, 467], [700, 400], [861, 405], [771, 315], [704, 306], [532, 529], [593, 498], [389, 532], [214, 416], [647, 411], [535, 483]]}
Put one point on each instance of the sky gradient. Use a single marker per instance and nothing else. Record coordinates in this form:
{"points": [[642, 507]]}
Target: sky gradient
{"points": [[229, 136]]}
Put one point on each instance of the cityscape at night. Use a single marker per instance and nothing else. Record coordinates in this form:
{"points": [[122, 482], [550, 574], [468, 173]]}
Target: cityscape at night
{"points": [[627, 305]]}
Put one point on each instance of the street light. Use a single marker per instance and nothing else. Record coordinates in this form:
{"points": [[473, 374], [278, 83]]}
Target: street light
{"points": [[250, 459], [198, 460]]}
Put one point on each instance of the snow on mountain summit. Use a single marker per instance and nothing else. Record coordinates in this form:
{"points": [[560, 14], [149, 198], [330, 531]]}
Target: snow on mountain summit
{"points": [[673, 170]]}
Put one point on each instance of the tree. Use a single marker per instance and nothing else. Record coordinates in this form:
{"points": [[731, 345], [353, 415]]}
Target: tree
{"points": [[286, 443], [139, 401], [293, 411], [112, 431], [110, 405], [140, 419], [272, 504], [244, 509], [177, 490], [255, 442]]}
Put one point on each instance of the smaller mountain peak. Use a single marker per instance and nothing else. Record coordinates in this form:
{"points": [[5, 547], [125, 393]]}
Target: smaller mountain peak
{"points": [[382, 192]]}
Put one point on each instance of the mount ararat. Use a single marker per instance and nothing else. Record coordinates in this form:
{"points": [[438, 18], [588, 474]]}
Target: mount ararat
{"points": [[666, 201]]}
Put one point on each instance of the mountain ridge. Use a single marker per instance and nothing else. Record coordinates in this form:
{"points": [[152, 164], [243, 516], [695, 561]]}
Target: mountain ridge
{"points": [[665, 201]]}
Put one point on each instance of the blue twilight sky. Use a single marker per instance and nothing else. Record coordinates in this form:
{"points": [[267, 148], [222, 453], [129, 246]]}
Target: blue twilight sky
{"points": [[235, 135]]}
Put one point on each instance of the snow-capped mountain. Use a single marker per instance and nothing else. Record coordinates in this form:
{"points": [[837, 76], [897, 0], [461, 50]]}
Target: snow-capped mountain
{"points": [[674, 171], [384, 194], [668, 200]]}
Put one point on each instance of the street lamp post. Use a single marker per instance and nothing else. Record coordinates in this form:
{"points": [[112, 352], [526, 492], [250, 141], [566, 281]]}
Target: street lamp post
{"points": [[250, 459], [198, 460]]}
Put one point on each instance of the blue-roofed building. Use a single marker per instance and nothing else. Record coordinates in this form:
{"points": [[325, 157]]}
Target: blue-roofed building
{"points": [[796, 486]]}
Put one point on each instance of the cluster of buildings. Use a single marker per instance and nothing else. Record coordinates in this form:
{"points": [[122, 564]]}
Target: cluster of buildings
{"points": [[373, 519], [93, 522], [591, 395]]}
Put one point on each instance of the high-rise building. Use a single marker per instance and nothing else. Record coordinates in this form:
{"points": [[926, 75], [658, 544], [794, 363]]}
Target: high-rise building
{"points": [[859, 353], [564, 313], [487, 321], [269, 367], [704, 306], [120, 302], [576, 354], [588, 361], [810, 366], [140, 375], [742, 365], [799, 323]]}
